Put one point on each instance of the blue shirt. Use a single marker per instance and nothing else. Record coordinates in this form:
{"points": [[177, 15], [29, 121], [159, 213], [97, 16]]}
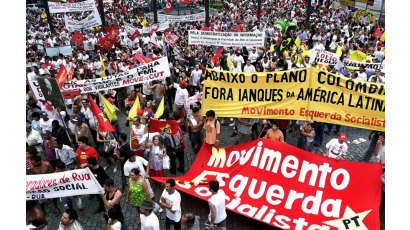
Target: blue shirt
{"points": [[36, 125]]}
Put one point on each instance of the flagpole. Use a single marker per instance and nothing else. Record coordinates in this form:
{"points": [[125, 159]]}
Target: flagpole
{"points": [[50, 23], [69, 139]]}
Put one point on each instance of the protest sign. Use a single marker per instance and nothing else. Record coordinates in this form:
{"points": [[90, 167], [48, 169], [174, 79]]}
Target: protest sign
{"points": [[156, 70], [54, 51], [56, 7], [287, 187], [208, 38], [183, 18], [52, 92], [301, 94], [92, 20], [62, 184], [330, 58], [131, 29]]}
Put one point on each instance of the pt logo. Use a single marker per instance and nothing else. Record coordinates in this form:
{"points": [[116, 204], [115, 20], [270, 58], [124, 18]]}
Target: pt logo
{"points": [[350, 220]]}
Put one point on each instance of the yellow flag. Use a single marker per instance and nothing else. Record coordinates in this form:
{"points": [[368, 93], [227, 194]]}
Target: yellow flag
{"points": [[358, 56], [138, 19], [286, 53], [43, 15], [305, 52], [272, 48], [160, 109], [297, 42], [143, 23], [102, 74], [339, 51], [109, 109], [229, 63], [382, 38], [133, 110]]}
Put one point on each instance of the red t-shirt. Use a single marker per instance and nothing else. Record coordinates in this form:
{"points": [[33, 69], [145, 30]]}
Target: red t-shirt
{"points": [[83, 155]]}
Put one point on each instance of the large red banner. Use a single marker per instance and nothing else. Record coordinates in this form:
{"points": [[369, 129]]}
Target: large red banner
{"points": [[287, 187]]}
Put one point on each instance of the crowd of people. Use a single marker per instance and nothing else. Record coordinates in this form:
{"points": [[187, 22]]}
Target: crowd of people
{"points": [[60, 139]]}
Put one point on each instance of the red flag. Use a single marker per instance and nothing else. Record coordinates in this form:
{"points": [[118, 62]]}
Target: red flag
{"points": [[114, 31], [205, 29], [182, 118], [70, 1], [144, 60], [169, 6], [239, 29], [108, 29], [124, 9], [168, 127], [61, 76], [77, 38], [70, 74], [217, 54], [195, 2], [104, 124], [135, 35], [115, 11], [185, 1], [154, 29], [377, 32], [107, 43]]}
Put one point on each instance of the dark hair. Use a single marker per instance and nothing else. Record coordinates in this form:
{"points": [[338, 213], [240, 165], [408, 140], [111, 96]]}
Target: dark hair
{"points": [[210, 113], [83, 139], [171, 182], [214, 185], [32, 151], [59, 141], [123, 136], [190, 218], [383, 134], [35, 114], [195, 109], [72, 214], [130, 153], [275, 122], [55, 122], [136, 171], [36, 159], [60, 165], [313, 125], [109, 182], [113, 214], [30, 204], [91, 161]]}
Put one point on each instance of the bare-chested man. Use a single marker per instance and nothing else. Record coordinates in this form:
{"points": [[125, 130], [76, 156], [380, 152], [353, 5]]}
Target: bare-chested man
{"points": [[159, 92], [41, 167]]}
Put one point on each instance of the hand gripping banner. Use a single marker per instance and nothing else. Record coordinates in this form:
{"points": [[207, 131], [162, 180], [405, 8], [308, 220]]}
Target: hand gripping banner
{"points": [[286, 187]]}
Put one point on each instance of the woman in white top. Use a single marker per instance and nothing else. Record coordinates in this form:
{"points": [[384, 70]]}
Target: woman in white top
{"points": [[113, 223], [265, 64]]}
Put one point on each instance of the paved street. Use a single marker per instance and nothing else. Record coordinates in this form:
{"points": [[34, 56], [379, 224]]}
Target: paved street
{"points": [[193, 204]]}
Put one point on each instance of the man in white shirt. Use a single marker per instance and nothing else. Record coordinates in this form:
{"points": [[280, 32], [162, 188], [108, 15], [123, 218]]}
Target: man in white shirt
{"points": [[180, 95], [148, 220], [361, 75], [97, 67], [337, 148], [377, 78], [239, 59], [195, 75], [171, 200], [217, 215], [248, 67], [253, 57]]}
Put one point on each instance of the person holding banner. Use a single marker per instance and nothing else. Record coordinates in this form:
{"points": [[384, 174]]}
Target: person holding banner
{"points": [[171, 200], [69, 221], [337, 148], [36, 217], [308, 131], [217, 215], [111, 199]]}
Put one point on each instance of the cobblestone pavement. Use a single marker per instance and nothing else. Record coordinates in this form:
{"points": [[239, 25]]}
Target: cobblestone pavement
{"points": [[190, 203]]}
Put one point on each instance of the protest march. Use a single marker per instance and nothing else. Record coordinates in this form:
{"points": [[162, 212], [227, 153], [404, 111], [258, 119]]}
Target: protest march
{"points": [[205, 114]]}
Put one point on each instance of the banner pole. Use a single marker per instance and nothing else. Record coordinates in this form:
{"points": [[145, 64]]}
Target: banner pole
{"points": [[207, 13], [66, 130], [50, 23], [101, 7]]}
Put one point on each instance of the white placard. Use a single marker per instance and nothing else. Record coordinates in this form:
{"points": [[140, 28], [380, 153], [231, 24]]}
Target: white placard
{"points": [[156, 70], [62, 184], [208, 38]]}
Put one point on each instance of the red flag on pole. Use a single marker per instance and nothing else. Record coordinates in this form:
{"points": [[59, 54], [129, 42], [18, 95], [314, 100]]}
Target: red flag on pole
{"points": [[77, 38], [205, 29], [217, 54], [195, 2], [145, 60], [70, 74], [185, 1], [61, 76], [182, 118], [168, 127], [104, 124], [107, 43], [135, 35], [124, 9], [169, 6], [377, 32], [115, 11], [114, 31]]}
